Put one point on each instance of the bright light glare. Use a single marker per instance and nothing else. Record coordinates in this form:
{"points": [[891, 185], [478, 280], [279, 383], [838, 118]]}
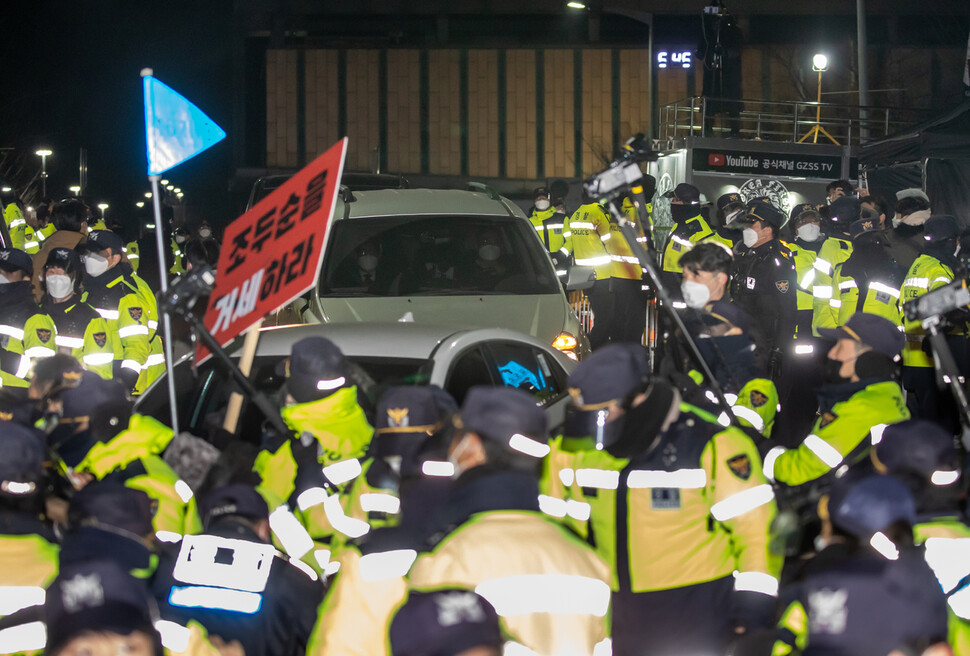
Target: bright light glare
{"points": [[820, 62], [576, 5], [6, 189], [148, 194], [76, 189], [140, 204], [44, 152], [164, 182], [102, 206]]}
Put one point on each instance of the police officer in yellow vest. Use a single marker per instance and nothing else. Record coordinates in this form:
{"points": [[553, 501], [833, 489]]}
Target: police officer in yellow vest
{"points": [[550, 225], [860, 398], [27, 545], [39, 229], [933, 269], [843, 212], [117, 298], [99, 437], [26, 334], [16, 223], [551, 590], [679, 508], [730, 208], [689, 228], [589, 229], [81, 331], [309, 470], [870, 280], [626, 282], [923, 456]]}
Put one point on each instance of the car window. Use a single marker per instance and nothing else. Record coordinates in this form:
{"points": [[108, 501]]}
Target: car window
{"points": [[434, 256], [526, 368], [468, 370]]}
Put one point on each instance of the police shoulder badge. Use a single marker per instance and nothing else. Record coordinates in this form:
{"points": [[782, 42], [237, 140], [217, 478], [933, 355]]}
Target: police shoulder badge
{"points": [[100, 339], [135, 313], [44, 335], [741, 466], [782, 286], [758, 399], [827, 418]]}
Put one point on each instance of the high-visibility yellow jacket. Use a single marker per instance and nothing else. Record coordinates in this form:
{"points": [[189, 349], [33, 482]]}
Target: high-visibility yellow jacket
{"points": [[946, 543], [118, 299], [26, 334], [589, 228], [683, 238], [882, 297], [85, 334], [805, 273], [834, 251], [665, 523], [133, 457], [16, 225], [550, 226], [842, 433], [34, 238], [926, 274], [30, 562]]}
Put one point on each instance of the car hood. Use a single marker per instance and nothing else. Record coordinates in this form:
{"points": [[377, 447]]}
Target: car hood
{"points": [[542, 315]]}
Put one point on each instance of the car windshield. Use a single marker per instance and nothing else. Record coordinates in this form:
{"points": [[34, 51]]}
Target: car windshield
{"points": [[434, 256]]}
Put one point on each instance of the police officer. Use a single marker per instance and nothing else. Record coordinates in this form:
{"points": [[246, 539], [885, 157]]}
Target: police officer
{"points": [[265, 601], [921, 454], [807, 225], [81, 331], [589, 228], [933, 269], [446, 622], [70, 217], [860, 394], [498, 542], [26, 334], [13, 216], [38, 229], [27, 544], [97, 434], [730, 208], [332, 434], [117, 297], [763, 282], [869, 280], [678, 507], [837, 248], [689, 229], [870, 576], [626, 282], [549, 223]]}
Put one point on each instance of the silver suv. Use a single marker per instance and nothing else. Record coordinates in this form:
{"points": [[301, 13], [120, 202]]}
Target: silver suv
{"points": [[430, 255]]}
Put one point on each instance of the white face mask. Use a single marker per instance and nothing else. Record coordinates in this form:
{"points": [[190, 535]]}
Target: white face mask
{"points": [[896, 220], [205, 233], [696, 294], [95, 265], [809, 232], [367, 262], [749, 237], [542, 204], [489, 252], [59, 286], [729, 219], [3, 279], [181, 239]]}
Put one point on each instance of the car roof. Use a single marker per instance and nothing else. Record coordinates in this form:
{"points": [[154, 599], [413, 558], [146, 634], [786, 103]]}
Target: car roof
{"points": [[398, 340], [404, 202]]}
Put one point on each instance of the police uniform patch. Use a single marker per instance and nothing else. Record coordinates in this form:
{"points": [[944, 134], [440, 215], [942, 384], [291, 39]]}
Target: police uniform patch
{"points": [[135, 313], [741, 466], [782, 286], [397, 417], [6, 416], [665, 498], [750, 282], [758, 399], [100, 339], [827, 419], [43, 335]]}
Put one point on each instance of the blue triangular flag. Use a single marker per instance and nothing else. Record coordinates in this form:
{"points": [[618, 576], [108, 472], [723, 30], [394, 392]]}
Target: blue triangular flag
{"points": [[175, 129]]}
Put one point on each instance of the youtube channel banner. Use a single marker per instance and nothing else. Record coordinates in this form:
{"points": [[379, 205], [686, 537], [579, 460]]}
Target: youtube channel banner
{"points": [[776, 164]]}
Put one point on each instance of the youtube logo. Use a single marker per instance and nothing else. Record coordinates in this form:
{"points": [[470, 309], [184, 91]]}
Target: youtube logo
{"points": [[715, 159]]}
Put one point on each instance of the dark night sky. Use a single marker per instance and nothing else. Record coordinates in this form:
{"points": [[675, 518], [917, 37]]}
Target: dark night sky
{"points": [[70, 73]]}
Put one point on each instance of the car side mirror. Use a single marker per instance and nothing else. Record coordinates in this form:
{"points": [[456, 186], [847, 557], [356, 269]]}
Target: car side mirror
{"points": [[579, 278]]}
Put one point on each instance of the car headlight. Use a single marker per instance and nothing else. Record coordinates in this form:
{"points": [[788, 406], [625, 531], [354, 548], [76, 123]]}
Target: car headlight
{"points": [[566, 343]]}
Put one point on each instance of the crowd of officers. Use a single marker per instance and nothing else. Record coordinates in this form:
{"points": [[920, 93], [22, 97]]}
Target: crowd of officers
{"points": [[654, 521]]}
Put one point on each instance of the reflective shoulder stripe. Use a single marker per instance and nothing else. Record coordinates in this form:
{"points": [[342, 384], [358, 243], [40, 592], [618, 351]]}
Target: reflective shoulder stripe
{"points": [[835, 303], [885, 289], [581, 224], [289, 531], [546, 593], [949, 558], [131, 364], [23, 638], [349, 526], [108, 314], [175, 637], [807, 280], [922, 283], [756, 582], [742, 502], [18, 597], [552, 506], [825, 451], [131, 331], [822, 291], [380, 502], [387, 565], [822, 265], [848, 284], [39, 352], [95, 359], [605, 479], [69, 342], [183, 490], [341, 472], [942, 279], [310, 497], [768, 467], [567, 476], [11, 331], [749, 415], [155, 359]]}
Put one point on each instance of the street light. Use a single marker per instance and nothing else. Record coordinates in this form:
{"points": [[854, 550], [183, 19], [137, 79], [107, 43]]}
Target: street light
{"points": [[6, 190], [43, 153], [140, 203], [170, 187], [148, 194], [164, 182], [576, 5], [819, 63], [102, 207], [76, 189], [177, 191]]}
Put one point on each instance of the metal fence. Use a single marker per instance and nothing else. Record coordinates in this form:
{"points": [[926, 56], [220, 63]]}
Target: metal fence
{"points": [[783, 121]]}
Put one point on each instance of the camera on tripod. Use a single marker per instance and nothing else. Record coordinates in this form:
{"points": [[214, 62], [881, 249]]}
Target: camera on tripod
{"points": [[183, 294], [938, 302], [623, 172]]}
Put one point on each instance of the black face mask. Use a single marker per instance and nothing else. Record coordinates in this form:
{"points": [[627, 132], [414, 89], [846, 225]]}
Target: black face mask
{"points": [[638, 430], [830, 371], [684, 212]]}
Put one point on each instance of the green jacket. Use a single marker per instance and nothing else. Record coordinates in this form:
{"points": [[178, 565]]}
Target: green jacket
{"points": [[946, 541], [133, 457], [926, 274], [834, 251], [841, 434]]}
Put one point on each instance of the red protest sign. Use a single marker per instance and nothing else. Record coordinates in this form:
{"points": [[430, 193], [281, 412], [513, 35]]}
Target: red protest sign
{"points": [[273, 253]]}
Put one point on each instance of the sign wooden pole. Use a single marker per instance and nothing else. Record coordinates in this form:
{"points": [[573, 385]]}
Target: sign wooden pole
{"points": [[234, 407]]}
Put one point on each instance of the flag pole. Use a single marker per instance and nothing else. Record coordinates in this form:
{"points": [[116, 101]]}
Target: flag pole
{"points": [[163, 284]]}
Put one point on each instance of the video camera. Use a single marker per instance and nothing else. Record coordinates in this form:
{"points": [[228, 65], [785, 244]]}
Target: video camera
{"points": [[623, 172], [938, 302], [183, 294]]}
